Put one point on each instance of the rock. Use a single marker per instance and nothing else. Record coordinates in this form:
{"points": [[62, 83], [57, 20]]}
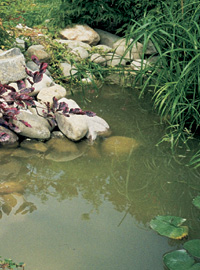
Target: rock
{"points": [[12, 63], [138, 63], [10, 187], [34, 145], [39, 51], [114, 60], [57, 134], [70, 102], [103, 48], [81, 33], [44, 83], [119, 146], [150, 48], [74, 127], [23, 153], [96, 127], [47, 94], [12, 139], [40, 109], [80, 53], [11, 168], [62, 149], [20, 42], [34, 67], [98, 59], [72, 44], [135, 51], [39, 126], [68, 69], [107, 38]]}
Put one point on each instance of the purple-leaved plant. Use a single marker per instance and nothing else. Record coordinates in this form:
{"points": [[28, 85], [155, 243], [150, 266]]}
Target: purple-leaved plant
{"points": [[11, 101]]}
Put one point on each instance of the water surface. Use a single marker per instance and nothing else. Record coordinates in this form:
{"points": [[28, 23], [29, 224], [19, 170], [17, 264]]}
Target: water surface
{"points": [[93, 212]]}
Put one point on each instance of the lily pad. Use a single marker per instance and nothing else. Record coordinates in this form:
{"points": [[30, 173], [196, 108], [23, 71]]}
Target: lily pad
{"points": [[196, 201], [193, 247], [180, 260], [169, 226]]}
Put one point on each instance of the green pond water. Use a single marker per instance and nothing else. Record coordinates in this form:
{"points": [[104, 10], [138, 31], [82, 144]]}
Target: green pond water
{"points": [[93, 212]]}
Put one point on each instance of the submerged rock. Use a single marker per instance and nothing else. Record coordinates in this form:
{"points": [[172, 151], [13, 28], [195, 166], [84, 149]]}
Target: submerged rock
{"points": [[10, 187], [34, 145], [62, 150], [119, 145]]}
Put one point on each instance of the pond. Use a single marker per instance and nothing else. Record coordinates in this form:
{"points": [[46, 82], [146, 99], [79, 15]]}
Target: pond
{"points": [[92, 211]]}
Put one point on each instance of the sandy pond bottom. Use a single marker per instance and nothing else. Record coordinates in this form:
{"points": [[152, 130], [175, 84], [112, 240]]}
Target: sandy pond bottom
{"points": [[93, 212]]}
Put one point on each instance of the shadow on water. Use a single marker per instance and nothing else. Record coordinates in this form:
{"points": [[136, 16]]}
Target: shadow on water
{"points": [[53, 186]]}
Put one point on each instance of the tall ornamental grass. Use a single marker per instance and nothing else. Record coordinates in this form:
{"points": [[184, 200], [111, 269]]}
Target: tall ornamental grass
{"points": [[175, 75]]}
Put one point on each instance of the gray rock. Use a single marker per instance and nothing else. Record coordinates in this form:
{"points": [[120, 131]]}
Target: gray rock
{"points": [[47, 94], [44, 83], [97, 127], [74, 127], [98, 59], [12, 140], [32, 66], [39, 126], [70, 102], [82, 33], [12, 66], [135, 51], [103, 48], [80, 53], [71, 44], [39, 51], [20, 42], [57, 134], [68, 69], [114, 60], [107, 38]]}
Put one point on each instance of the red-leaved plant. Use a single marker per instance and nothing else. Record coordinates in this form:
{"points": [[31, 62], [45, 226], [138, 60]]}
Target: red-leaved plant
{"points": [[11, 101]]}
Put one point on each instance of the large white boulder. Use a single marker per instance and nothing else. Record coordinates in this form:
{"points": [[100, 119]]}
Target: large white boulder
{"points": [[74, 127], [82, 33], [47, 94], [39, 126]]}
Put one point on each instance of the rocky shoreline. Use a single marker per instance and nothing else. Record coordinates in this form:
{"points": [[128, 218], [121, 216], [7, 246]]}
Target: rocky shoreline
{"points": [[99, 46]]}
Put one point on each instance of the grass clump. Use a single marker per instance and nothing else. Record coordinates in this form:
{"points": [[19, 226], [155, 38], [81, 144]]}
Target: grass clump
{"points": [[175, 75]]}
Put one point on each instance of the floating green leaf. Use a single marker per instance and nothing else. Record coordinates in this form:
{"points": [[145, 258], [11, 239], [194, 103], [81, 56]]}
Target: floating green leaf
{"points": [[169, 226], [193, 247], [180, 260], [196, 201]]}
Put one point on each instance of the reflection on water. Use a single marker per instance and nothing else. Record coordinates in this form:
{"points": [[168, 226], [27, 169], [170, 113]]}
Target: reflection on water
{"points": [[73, 206]]}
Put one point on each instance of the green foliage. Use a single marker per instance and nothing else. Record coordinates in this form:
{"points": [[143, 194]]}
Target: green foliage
{"points": [[175, 74], [180, 260], [196, 201], [193, 247], [106, 14], [169, 226], [9, 264]]}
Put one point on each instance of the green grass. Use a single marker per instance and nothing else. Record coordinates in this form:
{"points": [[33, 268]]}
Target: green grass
{"points": [[175, 76]]}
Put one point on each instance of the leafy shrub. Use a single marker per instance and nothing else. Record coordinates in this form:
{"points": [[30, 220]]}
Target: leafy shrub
{"points": [[105, 14]]}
